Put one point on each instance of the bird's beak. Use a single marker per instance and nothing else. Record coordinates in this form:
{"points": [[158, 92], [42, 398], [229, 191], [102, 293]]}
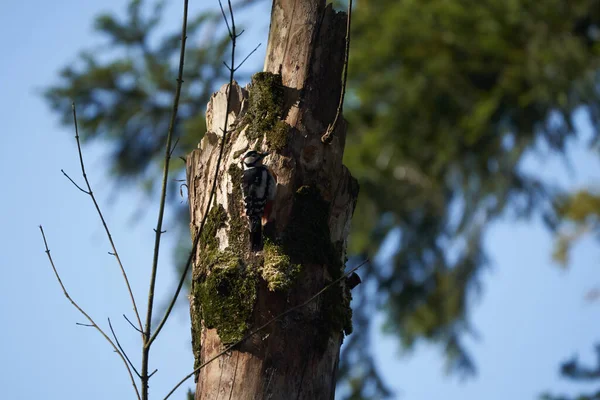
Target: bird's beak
{"points": [[263, 155]]}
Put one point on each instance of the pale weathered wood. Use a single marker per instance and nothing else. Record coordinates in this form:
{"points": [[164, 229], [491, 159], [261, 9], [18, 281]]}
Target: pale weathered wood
{"points": [[291, 359]]}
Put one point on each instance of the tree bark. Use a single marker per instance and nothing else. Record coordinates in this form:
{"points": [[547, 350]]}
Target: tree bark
{"points": [[285, 110]]}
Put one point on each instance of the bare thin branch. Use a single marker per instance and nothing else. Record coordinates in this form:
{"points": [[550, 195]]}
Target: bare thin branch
{"points": [[73, 182], [328, 136], [158, 230], [168, 152], [248, 56], [86, 325], [92, 323], [181, 281], [263, 326], [122, 350], [233, 34], [132, 325], [173, 147], [225, 18], [106, 229], [212, 190]]}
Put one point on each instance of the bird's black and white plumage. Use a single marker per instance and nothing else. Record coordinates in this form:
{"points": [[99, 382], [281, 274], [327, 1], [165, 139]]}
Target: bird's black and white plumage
{"points": [[258, 188]]}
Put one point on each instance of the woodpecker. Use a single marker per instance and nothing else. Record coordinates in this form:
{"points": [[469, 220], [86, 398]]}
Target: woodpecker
{"points": [[258, 188]]}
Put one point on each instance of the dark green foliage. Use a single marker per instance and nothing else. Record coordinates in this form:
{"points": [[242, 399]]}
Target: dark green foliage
{"points": [[357, 366], [445, 97], [574, 371], [124, 93], [592, 396], [580, 215]]}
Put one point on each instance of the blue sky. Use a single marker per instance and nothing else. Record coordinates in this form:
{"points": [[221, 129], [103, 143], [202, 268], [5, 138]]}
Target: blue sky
{"points": [[531, 315]]}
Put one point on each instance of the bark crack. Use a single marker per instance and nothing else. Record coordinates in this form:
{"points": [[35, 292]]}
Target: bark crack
{"points": [[306, 359], [289, 38], [237, 361]]}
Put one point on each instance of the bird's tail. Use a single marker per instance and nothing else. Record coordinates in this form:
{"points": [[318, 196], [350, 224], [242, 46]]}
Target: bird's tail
{"points": [[256, 242]]}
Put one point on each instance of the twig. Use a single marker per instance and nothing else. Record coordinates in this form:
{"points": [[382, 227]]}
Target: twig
{"points": [[247, 57], [132, 325], [225, 18], [181, 190], [213, 188], [163, 195], [90, 193], [327, 137], [263, 326], [173, 147], [122, 350], [92, 323], [73, 182]]}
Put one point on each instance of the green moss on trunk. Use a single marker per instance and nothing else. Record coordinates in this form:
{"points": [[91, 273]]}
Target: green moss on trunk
{"points": [[277, 137], [278, 270], [222, 288], [209, 244], [225, 284], [238, 226], [265, 110], [227, 297]]}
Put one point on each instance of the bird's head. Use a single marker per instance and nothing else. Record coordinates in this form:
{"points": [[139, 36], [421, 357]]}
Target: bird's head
{"points": [[253, 159]]}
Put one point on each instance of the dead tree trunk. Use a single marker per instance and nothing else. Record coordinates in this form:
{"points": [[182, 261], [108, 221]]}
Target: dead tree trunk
{"points": [[285, 110]]}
